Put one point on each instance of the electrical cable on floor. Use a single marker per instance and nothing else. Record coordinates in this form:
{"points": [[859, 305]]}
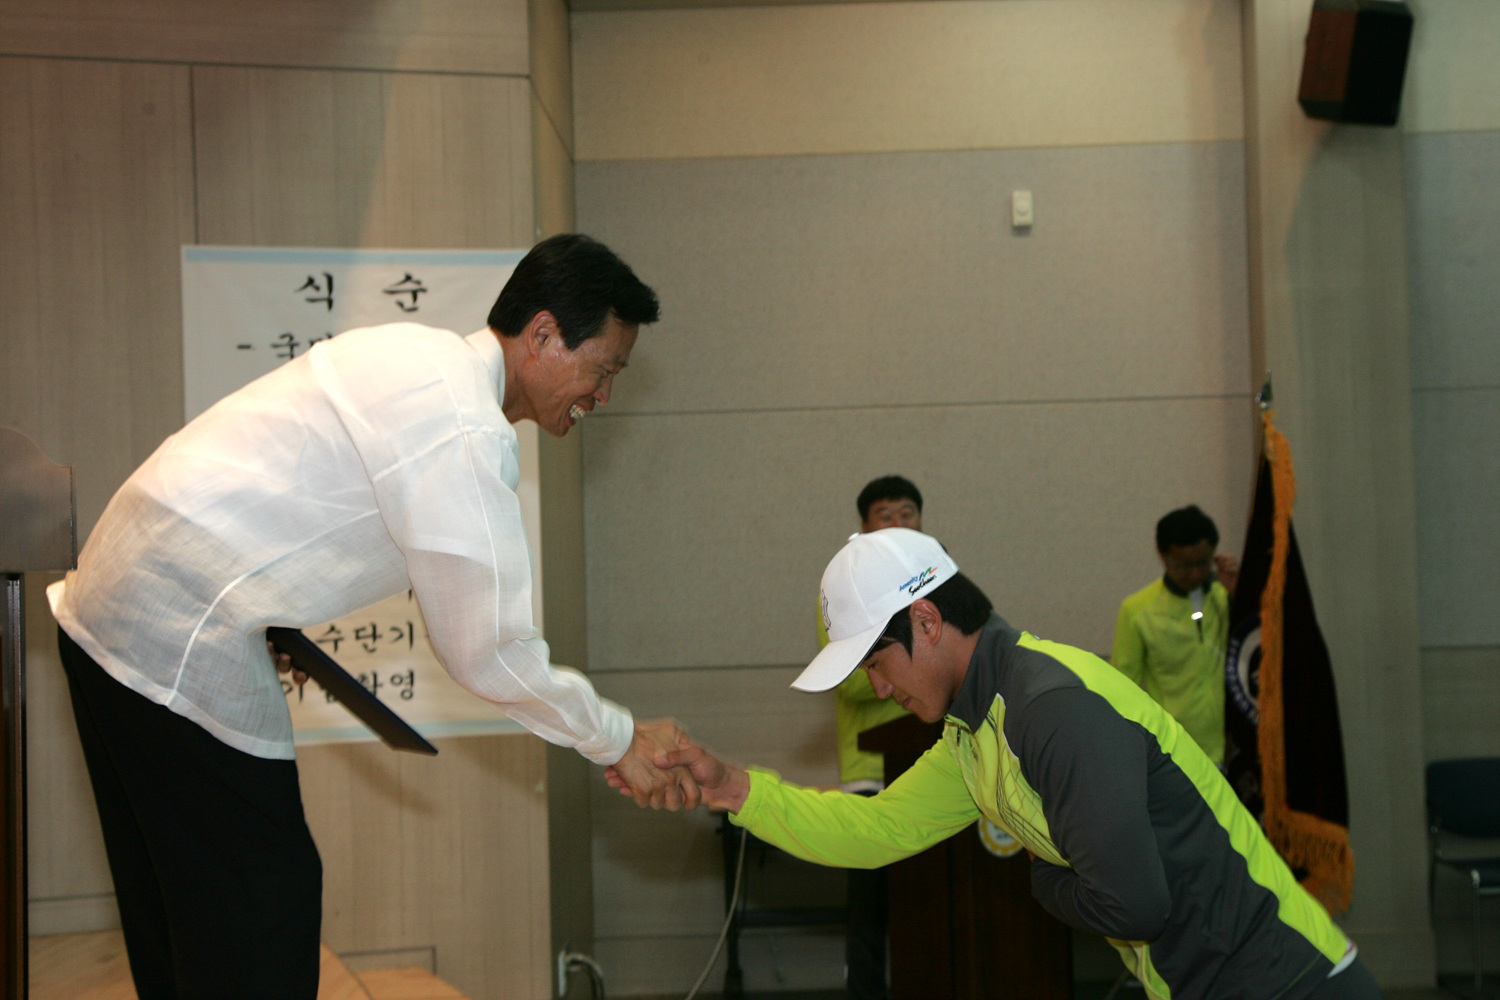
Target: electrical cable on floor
{"points": [[596, 975], [734, 902]]}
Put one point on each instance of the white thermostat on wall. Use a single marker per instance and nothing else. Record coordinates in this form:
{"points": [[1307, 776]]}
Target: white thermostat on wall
{"points": [[1020, 209]]}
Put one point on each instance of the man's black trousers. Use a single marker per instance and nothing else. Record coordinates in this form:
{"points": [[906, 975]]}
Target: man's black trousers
{"points": [[219, 883]]}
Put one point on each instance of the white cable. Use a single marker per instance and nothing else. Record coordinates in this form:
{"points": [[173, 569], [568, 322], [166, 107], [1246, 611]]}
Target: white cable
{"points": [[734, 902], [575, 960]]}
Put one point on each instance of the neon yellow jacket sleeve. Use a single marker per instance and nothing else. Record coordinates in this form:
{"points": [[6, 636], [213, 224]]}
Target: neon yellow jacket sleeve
{"points": [[927, 804]]}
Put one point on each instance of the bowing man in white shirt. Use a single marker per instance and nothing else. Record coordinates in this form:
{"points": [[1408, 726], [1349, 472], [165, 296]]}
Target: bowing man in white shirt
{"points": [[383, 459]]}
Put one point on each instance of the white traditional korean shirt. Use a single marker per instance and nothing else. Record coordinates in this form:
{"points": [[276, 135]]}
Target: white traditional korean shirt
{"points": [[378, 461]]}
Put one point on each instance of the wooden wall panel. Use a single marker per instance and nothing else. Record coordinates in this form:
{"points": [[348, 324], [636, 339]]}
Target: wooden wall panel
{"points": [[326, 158], [446, 852], [553, 176], [95, 199], [552, 65], [443, 36], [70, 887]]}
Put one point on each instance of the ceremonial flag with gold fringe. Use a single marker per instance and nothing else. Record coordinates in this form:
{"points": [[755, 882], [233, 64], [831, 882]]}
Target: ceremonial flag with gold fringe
{"points": [[1286, 753]]}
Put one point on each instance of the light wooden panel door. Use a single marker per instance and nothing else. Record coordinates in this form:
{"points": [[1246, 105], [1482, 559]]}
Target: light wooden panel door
{"points": [[445, 36], [95, 200], [96, 196]]}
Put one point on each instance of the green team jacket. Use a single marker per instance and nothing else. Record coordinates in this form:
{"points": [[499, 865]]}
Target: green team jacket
{"points": [[1136, 834], [1178, 661]]}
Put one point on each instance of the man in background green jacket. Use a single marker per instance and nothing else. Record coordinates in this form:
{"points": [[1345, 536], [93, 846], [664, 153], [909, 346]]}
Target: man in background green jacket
{"points": [[1170, 634]]}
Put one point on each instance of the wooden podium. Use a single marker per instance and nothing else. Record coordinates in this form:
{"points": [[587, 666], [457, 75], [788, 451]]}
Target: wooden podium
{"points": [[38, 533], [963, 923]]}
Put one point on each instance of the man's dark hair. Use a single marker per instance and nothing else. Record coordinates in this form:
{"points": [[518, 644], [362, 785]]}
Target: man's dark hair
{"points": [[958, 600], [1185, 526], [887, 488], [579, 281]]}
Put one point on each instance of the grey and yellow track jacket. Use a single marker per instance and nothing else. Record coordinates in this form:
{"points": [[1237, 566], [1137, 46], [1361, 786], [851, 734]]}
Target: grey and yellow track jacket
{"points": [[1136, 834]]}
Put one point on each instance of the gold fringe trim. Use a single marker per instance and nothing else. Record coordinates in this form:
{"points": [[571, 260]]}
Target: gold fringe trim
{"points": [[1306, 841]]}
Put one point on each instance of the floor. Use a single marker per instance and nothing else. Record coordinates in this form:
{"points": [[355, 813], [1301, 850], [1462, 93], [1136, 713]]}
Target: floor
{"points": [[94, 967], [1084, 991]]}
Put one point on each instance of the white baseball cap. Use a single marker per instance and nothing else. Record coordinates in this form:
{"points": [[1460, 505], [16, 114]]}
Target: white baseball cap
{"points": [[874, 576]]}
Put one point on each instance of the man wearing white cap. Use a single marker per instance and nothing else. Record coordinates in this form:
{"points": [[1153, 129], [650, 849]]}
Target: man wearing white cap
{"points": [[1133, 832]]}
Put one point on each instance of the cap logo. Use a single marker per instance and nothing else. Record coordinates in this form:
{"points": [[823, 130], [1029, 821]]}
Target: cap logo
{"points": [[919, 581], [826, 623]]}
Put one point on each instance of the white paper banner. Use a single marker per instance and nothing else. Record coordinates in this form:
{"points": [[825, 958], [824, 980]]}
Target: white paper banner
{"points": [[247, 310]]}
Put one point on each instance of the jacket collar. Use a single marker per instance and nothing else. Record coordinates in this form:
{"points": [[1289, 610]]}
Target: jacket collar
{"points": [[977, 693]]}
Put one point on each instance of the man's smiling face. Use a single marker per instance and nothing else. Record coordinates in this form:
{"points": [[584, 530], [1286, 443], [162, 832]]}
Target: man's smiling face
{"points": [[562, 385]]}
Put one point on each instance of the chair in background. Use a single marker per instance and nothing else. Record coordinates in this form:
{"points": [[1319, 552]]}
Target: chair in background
{"points": [[1463, 810]]}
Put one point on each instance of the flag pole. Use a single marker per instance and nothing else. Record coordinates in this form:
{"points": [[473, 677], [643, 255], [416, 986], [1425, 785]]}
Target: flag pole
{"points": [[1306, 841]]}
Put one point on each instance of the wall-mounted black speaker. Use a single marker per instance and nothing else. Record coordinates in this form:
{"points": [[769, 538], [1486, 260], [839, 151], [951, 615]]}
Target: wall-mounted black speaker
{"points": [[1355, 60]]}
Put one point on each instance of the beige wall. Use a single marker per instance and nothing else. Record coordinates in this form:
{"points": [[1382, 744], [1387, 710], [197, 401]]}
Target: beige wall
{"points": [[1451, 115], [882, 77], [821, 196], [1328, 275], [747, 450], [134, 128], [1450, 79]]}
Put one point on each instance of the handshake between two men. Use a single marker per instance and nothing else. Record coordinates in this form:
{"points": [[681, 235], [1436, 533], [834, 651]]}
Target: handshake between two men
{"points": [[665, 769]]}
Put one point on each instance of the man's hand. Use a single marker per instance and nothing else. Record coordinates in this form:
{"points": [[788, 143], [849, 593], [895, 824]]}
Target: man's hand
{"points": [[723, 785], [1228, 568], [284, 665], [638, 775]]}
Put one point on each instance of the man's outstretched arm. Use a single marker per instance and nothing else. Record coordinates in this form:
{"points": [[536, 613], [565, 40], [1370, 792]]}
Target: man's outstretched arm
{"points": [[923, 806]]}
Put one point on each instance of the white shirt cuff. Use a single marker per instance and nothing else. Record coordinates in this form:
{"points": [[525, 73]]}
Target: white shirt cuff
{"points": [[618, 732]]}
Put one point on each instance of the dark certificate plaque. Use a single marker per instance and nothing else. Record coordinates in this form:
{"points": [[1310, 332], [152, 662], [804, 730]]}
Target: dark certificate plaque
{"points": [[312, 661]]}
